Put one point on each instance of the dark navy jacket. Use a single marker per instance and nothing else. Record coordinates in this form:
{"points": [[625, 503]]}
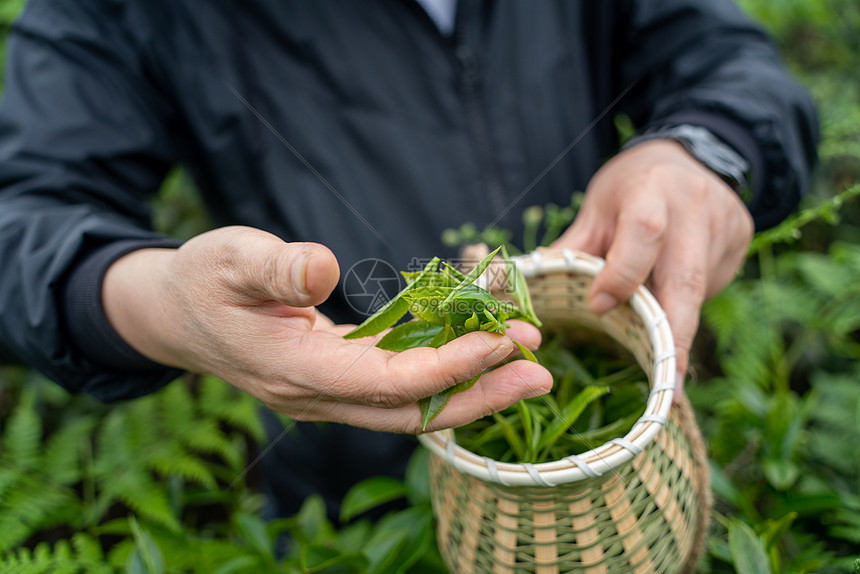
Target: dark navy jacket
{"points": [[406, 132]]}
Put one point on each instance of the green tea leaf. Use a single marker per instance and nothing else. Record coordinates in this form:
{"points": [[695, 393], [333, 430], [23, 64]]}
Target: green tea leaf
{"points": [[434, 279], [453, 272], [471, 300], [526, 421], [426, 303], [431, 406], [447, 305], [392, 311], [410, 335], [568, 417], [511, 435], [461, 386], [527, 353], [520, 290], [475, 273], [444, 336]]}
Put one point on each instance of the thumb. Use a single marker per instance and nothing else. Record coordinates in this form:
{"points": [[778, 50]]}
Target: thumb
{"points": [[263, 267], [299, 274]]}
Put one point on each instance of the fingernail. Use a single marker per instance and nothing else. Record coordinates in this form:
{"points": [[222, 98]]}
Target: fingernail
{"points": [[501, 349], [497, 348], [679, 387], [535, 392], [298, 272], [603, 302]]}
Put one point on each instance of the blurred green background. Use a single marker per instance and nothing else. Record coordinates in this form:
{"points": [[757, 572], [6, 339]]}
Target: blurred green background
{"points": [[151, 485]]}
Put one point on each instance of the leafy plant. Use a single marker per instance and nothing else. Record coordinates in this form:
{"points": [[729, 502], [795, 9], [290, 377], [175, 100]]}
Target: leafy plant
{"points": [[595, 397], [446, 305], [783, 417], [777, 368]]}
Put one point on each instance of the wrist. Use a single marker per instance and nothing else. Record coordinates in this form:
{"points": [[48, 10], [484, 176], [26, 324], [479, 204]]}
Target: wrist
{"points": [[136, 303], [708, 150]]}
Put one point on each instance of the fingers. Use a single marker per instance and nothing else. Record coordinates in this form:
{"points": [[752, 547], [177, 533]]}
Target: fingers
{"points": [[405, 377], [680, 283], [525, 333], [358, 373], [639, 239], [493, 392]]}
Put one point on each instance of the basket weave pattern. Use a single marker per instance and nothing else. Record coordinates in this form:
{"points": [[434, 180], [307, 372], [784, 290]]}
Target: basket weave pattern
{"points": [[642, 519], [638, 504]]}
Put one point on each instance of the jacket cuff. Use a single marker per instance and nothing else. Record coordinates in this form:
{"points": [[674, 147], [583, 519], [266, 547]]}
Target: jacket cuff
{"points": [[85, 319], [732, 134]]}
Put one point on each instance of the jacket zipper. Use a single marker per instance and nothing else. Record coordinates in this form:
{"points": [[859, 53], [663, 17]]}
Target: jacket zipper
{"points": [[468, 75]]}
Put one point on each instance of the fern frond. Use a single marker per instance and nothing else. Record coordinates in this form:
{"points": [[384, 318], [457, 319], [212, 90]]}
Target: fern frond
{"points": [[61, 559], [33, 504], [205, 437], [235, 408], [827, 275], [22, 436], [848, 254], [176, 461], [137, 490], [114, 446], [87, 547], [120, 553], [176, 406], [61, 460]]}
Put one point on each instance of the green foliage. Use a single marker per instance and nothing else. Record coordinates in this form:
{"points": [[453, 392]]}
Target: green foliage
{"points": [[446, 305], [544, 222], [789, 230], [596, 396], [782, 419], [69, 466], [778, 399]]}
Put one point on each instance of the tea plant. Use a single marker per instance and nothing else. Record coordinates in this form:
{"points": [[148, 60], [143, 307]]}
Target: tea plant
{"points": [[447, 304]]}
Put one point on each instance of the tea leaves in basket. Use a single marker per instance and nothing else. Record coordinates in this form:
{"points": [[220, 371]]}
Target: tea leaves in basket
{"points": [[595, 398]]}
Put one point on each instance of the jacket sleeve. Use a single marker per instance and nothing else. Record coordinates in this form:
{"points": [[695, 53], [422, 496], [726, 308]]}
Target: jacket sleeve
{"points": [[702, 62], [84, 142]]}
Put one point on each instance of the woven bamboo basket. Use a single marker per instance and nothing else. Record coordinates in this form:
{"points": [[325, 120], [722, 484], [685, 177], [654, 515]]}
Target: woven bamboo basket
{"points": [[639, 503]]}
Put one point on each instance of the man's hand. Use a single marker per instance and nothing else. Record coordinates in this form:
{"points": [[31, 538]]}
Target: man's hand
{"points": [[238, 303], [655, 211]]}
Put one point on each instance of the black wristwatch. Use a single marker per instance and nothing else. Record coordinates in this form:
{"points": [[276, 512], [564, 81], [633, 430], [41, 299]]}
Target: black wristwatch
{"points": [[707, 149]]}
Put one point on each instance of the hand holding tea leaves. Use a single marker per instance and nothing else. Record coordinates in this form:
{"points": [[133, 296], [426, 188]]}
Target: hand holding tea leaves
{"points": [[446, 305], [238, 303]]}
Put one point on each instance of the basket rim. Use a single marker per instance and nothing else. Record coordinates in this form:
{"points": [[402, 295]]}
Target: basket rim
{"points": [[610, 455]]}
